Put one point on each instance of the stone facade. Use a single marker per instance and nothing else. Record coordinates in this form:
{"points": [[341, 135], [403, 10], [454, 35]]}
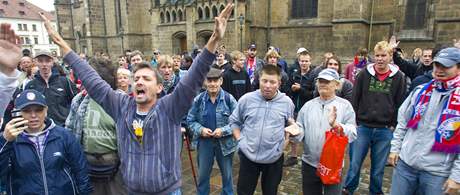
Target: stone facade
{"points": [[174, 26]]}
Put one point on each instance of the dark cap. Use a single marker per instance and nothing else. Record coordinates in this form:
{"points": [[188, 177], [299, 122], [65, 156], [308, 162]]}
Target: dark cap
{"points": [[29, 97], [214, 73], [448, 57], [43, 53], [252, 46]]}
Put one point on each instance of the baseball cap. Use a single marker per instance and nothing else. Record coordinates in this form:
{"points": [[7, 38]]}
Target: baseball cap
{"points": [[329, 74], [252, 46], [214, 73], [43, 53], [29, 97], [302, 49], [448, 57]]}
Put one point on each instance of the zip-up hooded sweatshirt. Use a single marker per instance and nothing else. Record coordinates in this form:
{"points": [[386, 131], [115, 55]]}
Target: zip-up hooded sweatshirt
{"points": [[152, 167], [376, 102], [262, 124], [50, 163], [414, 146], [313, 120]]}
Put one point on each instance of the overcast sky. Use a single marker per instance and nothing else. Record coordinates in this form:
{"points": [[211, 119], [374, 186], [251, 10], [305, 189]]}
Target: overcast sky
{"points": [[44, 4]]}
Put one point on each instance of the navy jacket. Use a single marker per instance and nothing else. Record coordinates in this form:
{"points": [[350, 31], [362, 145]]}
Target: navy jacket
{"points": [[62, 169], [59, 93]]}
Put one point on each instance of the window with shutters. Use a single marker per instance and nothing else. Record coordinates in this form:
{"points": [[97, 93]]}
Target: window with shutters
{"points": [[304, 9], [415, 17]]}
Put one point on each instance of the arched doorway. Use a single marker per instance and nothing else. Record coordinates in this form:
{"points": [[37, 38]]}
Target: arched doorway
{"points": [[203, 37], [179, 42]]}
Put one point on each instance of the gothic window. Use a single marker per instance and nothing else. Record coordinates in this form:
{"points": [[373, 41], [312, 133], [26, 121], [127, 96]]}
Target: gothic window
{"points": [[168, 17], [304, 9], [200, 13], [221, 8], [179, 15], [415, 14], [174, 16], [162, 17], [214, 11], [157, 2], [207, 13], [83, 29], [118, 16]]}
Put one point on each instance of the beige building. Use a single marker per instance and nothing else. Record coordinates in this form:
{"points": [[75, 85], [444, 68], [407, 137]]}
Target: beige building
{"points": [[27, 24], [175, 26]]}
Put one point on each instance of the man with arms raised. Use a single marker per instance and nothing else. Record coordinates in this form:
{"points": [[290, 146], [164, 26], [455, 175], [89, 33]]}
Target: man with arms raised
{"points": [[148, 129]]}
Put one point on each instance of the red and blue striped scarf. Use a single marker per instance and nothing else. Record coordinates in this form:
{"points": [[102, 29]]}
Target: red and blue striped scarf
{"points": [[447, 136]]}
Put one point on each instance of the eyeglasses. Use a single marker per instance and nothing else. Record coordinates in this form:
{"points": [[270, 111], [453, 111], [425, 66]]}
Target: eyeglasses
{"points": [[156, 53], [332, 64]]}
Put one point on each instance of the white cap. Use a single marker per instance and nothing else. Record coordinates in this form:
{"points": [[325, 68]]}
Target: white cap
{"points": [[302, 49]]}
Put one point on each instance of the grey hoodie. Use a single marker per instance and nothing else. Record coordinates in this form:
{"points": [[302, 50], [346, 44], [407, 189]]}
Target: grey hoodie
{"points": [[313, 122], [414, 146], [262, 125]]}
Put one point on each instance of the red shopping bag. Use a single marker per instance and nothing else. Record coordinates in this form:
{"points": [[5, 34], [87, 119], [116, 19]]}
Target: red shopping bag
{"points": [[330, 163]]}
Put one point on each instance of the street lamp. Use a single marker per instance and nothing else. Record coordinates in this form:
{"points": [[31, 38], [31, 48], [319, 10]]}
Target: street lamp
{"points": [[241, 19], [120, 33]]}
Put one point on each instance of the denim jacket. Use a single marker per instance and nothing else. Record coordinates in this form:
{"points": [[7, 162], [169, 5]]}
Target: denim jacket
{"points": [[226, 103]]}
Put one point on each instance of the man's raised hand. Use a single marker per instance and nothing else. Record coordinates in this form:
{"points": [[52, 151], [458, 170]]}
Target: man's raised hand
{"points": [[393, 43], [55, 35], [10, 51], [220, 26]]}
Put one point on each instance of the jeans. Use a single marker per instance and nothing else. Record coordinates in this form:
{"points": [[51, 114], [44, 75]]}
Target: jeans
{"points": [[407, 180], [378, 139], [177, 192], [312, 184], [249, 176], [208, 149]]}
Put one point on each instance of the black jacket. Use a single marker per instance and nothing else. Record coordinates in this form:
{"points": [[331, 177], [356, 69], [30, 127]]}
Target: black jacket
{"points": [[376, 103], [236, 83], [409, 68], [307, 87], [58, 93], [422, 79], [226, 66]]}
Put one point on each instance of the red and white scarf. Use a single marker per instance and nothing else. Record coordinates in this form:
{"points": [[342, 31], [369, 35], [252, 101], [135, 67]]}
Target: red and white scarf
{"points": [[447, 136]]}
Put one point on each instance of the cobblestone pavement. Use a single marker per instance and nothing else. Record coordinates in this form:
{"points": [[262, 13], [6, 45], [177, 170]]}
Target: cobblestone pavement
{"points": [[291, 182]]}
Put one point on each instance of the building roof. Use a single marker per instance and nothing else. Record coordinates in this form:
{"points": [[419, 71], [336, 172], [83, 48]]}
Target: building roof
{"points": [[22, 9]]}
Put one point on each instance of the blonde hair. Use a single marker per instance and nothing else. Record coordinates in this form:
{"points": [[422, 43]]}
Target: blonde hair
{"points": [[176, 57], [271, 53], [124, 71], [383, 46], [164, 59], [236, 55]]}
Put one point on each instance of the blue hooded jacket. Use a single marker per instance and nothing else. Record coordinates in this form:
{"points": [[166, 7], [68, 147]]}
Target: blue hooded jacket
{"points": [[61, 169]]}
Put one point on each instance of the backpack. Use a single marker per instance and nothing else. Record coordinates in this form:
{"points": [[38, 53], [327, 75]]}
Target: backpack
{"points": [[226, 99]]}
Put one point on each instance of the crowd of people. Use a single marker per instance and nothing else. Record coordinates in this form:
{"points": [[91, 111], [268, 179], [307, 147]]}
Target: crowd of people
{"points": [[81, 125]]}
